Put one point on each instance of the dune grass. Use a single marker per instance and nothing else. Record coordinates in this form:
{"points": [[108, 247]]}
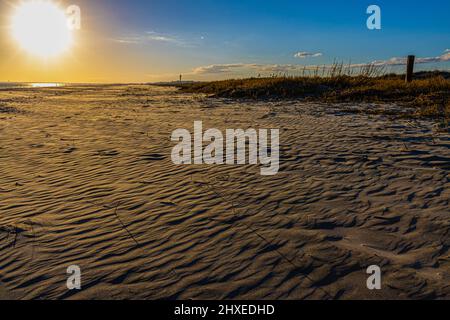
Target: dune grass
{"points": [[428, 96]]}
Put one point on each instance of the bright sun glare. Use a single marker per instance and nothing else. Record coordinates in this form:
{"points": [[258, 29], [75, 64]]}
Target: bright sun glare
{"points": [[40, 27]]}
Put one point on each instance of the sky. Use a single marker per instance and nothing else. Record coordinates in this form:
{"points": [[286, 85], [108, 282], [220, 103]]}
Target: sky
{"points": [[157, 40]]}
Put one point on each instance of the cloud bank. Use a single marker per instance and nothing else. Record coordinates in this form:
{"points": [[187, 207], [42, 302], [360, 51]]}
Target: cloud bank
{"points": [[296, 68], [402, 61]]}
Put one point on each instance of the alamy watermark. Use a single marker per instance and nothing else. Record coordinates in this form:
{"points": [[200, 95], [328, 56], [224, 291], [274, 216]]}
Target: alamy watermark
{"points": [[230, 149], [74, 280], [73, 13], [374, 20], [374, 280]]}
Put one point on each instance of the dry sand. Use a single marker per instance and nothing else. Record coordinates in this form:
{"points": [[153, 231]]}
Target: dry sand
{"points": [[86, 178]]}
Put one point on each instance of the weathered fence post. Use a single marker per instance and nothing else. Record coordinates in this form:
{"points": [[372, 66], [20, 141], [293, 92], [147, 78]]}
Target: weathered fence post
{"points": [[410, 68]]}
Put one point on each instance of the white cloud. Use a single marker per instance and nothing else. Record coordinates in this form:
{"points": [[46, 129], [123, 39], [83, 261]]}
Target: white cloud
{"points": [[151, 36], [128, 40], [402, 61], [154, 36], [219, 68], [298, 68], [253, 67], [304, 54]]}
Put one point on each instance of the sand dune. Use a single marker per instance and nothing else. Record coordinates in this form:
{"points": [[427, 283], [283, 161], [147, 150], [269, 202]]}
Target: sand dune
{"points": [[86, 178]]}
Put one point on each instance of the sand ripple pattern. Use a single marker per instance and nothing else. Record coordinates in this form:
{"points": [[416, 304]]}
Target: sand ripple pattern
{"points": [[86, 179]]}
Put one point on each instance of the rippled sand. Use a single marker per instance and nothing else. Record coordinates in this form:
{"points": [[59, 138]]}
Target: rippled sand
{"points": [[86, 179]]}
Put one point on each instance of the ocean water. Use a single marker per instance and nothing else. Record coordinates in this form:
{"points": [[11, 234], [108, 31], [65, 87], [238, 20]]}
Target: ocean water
{"points": [[11, 85]]}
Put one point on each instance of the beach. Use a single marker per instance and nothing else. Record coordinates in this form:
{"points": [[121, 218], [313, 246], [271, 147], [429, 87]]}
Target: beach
{"points": [[86, 179]]}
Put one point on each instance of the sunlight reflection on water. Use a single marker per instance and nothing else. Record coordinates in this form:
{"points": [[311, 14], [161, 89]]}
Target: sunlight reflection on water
{"points": [[46, 85], [15, 85]]}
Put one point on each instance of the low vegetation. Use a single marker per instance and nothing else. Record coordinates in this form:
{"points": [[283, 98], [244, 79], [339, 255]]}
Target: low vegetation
{"points": [[427, 96]]}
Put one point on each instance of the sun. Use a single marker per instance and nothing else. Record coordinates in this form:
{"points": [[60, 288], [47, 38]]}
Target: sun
{"points": [[40, 27]]}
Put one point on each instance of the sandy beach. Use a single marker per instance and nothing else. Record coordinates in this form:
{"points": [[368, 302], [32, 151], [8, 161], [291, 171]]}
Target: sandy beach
{"points": [[86, 179]]}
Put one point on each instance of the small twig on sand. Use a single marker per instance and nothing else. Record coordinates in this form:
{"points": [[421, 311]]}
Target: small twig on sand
{"points": [[123, 225], [16, 231], [117, 216]]}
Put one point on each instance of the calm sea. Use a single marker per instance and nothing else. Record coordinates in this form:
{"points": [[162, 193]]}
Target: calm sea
{"points": [[10, 85]]}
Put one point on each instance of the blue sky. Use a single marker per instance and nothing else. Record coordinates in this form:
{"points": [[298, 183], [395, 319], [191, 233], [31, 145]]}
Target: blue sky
{"points": [[204, 39]]}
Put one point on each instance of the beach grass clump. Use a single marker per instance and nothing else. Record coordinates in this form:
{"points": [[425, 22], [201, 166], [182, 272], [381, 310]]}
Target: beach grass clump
{"points": [[427, 96]]}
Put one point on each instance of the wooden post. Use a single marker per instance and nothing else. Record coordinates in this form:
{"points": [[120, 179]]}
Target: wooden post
{"points": [[410, 68]]}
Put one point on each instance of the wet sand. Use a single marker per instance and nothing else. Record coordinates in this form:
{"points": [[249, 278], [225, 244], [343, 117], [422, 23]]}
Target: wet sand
{"points": [[86, 179]]}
